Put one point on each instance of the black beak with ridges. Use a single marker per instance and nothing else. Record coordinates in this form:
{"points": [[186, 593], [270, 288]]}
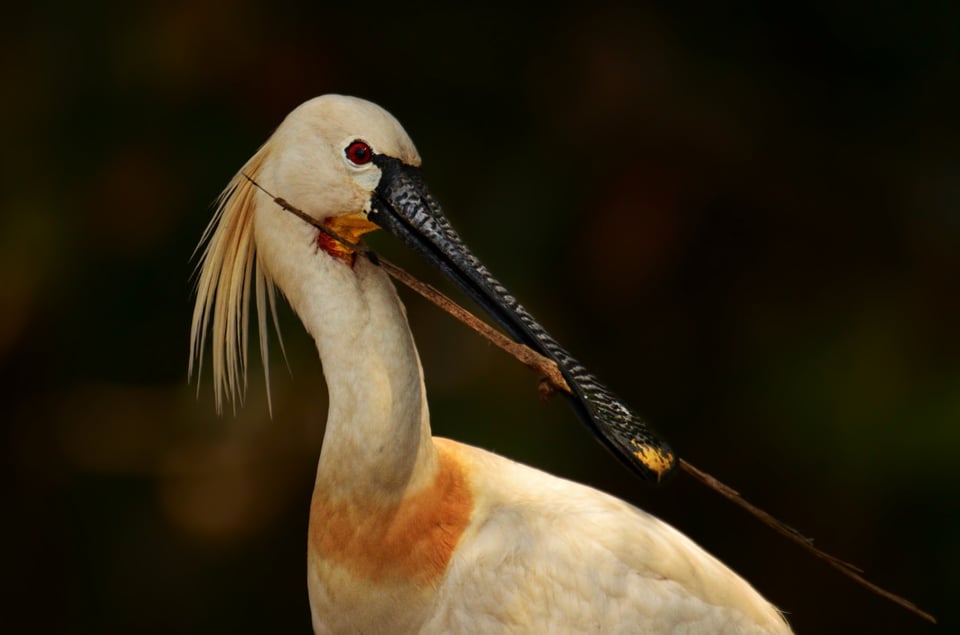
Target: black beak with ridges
{"points": [[403, 206]]}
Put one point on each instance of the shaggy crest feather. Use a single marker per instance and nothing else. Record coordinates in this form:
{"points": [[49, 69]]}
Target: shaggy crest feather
{"points": [[228, 268]]}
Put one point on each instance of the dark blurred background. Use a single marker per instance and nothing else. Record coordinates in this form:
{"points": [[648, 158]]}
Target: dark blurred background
{"points": [[745, 219]]}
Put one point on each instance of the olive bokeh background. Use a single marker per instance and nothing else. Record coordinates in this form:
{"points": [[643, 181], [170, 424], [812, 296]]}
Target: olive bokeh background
{"points": [[745, 219]]}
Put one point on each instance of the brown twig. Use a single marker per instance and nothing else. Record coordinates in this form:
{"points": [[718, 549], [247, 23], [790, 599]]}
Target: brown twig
{"points": [[552, 380], [547, 368], [851, 571], [551, 376]]}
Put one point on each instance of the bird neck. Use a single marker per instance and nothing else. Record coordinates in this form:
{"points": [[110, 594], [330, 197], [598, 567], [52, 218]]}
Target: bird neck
{"points": [[377, 445]]}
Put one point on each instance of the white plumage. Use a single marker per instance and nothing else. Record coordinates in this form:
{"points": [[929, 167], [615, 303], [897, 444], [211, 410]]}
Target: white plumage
{"points": [[409, 533]]}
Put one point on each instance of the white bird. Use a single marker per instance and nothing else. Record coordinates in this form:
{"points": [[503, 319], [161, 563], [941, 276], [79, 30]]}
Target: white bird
{"points": [[411, 533]]}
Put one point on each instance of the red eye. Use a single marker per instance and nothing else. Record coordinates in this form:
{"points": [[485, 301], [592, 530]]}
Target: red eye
{"points": [[359, 152]]}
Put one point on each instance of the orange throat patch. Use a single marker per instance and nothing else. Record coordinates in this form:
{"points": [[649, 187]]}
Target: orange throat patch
{"points": [[410, 542], [349, 227]]}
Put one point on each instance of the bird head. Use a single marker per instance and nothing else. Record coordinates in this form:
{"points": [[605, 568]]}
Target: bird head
{"points": [[322, 157], [325, 158]]}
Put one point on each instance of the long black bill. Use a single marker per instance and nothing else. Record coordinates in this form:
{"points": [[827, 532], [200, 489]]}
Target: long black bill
{"points": [[403, 206]]}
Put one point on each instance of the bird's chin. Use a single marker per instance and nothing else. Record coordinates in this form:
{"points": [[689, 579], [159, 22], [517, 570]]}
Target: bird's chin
{"points": [[345, 230]]}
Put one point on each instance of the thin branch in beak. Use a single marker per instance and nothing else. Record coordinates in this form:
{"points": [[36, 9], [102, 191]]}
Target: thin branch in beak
{"points": [[552, 376]]}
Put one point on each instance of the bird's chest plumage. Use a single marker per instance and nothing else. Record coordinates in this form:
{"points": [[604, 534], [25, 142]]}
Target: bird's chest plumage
{"points": [[375, 568]]}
